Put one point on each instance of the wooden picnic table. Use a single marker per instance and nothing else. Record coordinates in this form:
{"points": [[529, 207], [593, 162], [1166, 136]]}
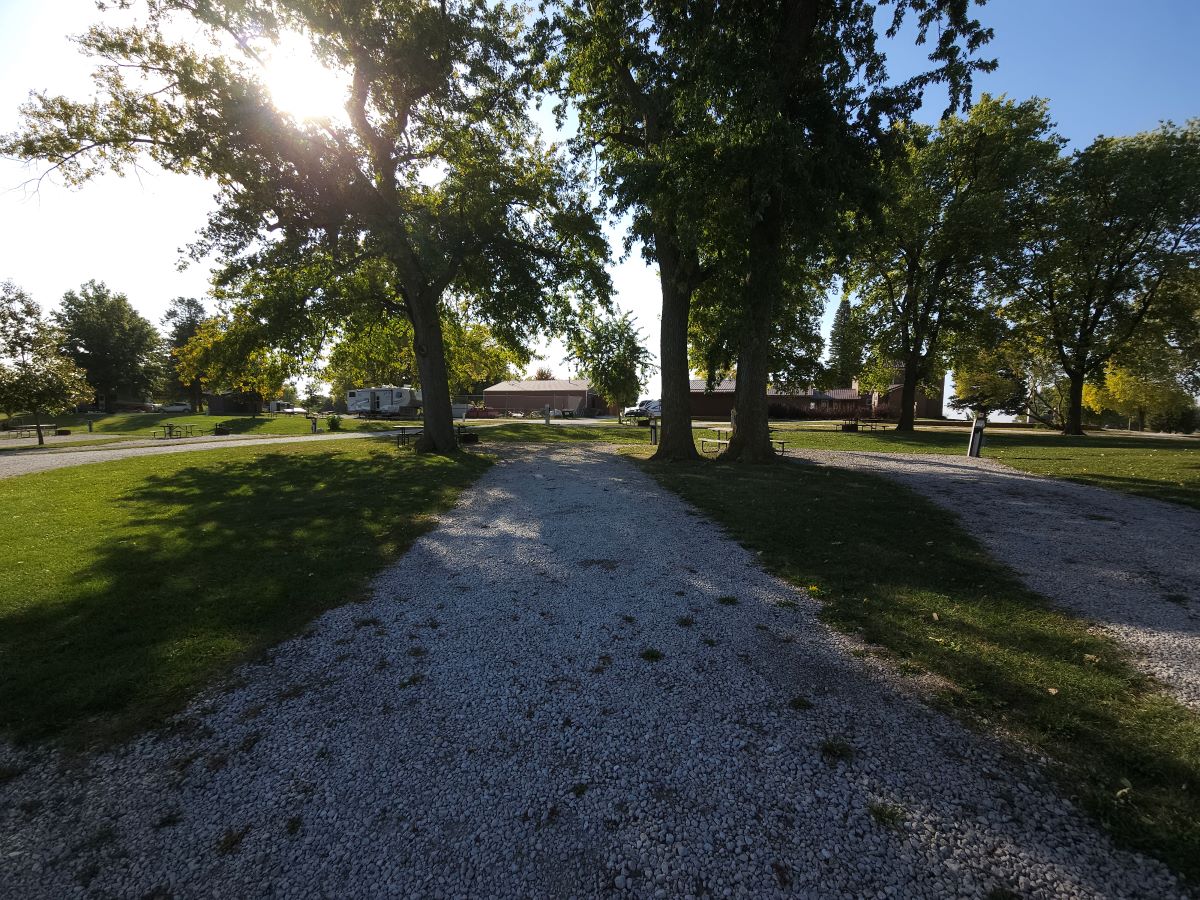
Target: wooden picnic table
{"points": [[404, 432], [724, 435], [31, 430], [171, 430]]}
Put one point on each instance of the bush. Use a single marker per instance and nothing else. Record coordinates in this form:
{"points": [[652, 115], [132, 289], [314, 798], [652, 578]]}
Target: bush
{"points": [[334, 423]]}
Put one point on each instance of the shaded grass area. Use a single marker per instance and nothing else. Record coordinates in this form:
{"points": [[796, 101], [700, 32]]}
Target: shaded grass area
{"points": [[1156, 467], [897, 571], [147, 424], [129, 585], [1160, 468], [525, 432]]}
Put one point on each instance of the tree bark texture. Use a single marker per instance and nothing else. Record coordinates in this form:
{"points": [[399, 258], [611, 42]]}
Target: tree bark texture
{"points": [[1074, 422], [430, 351], [675, 442], [908, 395], [751, 438]]}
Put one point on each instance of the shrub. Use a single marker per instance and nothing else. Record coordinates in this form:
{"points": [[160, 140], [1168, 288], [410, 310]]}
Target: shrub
{"points": [[334, 423]]}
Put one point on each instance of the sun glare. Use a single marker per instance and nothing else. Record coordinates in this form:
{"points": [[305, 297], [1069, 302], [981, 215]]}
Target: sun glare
{"points": [[300, 86]]}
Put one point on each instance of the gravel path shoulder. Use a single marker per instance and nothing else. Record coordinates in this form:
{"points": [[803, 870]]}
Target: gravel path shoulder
{"points": [[1130, 564], [25, 463], [547, 697]]}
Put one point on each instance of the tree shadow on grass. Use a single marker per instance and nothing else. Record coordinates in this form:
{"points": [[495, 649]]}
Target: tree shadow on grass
{"points": [[210, 565], [885, 562]]}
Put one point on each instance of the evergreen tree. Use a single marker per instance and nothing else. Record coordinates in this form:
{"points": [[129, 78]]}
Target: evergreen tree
{"points": [[845, 348]]}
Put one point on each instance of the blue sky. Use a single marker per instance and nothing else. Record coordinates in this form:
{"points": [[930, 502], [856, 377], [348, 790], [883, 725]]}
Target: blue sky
{"points": [[1105, 66]]}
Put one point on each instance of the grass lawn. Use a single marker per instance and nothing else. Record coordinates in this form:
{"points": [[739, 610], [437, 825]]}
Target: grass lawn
{"points": [[1161, 468], [148, 424], [58, 444], [862, 546], [529, 432], [129, 585]]}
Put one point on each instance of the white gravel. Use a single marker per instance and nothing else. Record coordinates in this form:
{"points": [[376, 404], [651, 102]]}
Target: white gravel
{"points": [[19, 462], [485, 726], [1129, 564]]}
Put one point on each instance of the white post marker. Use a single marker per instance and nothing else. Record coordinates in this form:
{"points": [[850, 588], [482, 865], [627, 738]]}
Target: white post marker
{"points": [[975, 448], [546, 413]]}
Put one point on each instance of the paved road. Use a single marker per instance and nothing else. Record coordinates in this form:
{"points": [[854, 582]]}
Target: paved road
{"points": [[22, 463], [547, 697], [1128, 563]]}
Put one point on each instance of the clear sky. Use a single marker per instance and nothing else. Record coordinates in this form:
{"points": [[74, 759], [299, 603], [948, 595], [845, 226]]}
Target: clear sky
{"points": [[1106, 66]]}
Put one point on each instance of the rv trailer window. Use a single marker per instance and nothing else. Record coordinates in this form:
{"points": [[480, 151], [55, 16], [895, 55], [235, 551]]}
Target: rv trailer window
{"points": [[353, 394]]}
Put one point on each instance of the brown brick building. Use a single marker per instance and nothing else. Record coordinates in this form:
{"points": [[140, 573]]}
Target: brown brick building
{"points": [[573, 396]]}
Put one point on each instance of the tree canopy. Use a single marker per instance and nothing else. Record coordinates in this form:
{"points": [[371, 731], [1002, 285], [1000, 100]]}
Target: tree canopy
{"points": [[114, 344], [1154, 399], [183, 319], [608, 352], [35, 375], [847, 347], [380, 352], [435, 180], [1111, 241], [736, 135], [920, 262]]}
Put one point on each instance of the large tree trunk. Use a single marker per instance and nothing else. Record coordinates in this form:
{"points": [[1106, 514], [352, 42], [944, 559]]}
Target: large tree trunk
{"points": [[751, 439], [37, 426], [675, 443], [197, 395], [438, 418], [1074, 422], [908, 395]]}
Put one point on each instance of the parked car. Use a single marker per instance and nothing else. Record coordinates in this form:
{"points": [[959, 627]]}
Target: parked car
{"points": [[177, 407]]}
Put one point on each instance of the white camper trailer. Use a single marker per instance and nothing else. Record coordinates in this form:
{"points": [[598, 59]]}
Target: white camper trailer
{"points": [[385, 402]]}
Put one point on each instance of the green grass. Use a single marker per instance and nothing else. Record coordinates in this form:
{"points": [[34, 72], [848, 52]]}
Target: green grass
{"points": [[886, 814], [131, 584], [147, 424], [59, 444], [895, 570], [528, 432], [1157, 467]]}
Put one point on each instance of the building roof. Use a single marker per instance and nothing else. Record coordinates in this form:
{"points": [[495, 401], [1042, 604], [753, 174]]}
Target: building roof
{"points": [[697, 386], [843, 394], [533, 386]]}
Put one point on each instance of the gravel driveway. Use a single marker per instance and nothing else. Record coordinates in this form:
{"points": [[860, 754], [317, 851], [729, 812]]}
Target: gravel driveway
{"points": [[1127, 563], [493, 724], [24, 463]]}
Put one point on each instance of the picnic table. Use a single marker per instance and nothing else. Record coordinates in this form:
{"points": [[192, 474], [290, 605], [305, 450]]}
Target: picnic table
{"points": [[724, 435], [404, 432], [466, 434], [171, 430], [30, 430], [721, 440]]}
